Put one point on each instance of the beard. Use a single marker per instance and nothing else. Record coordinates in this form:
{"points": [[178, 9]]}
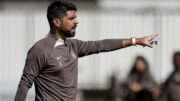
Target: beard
{"points": [[66, 33]]}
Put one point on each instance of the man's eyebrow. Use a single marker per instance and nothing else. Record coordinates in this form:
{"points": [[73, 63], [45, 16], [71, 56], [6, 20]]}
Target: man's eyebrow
{"points": [[73, 17]]}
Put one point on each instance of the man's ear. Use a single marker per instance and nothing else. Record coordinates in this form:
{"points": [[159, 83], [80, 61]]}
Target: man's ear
{"points": [[56, 22]]}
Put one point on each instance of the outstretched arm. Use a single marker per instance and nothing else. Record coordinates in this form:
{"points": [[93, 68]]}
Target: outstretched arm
{"points": [[90, 47], [144, 41]]}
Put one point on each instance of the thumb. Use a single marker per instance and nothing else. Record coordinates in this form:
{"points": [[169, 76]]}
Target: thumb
{"points": [[149, 45]]}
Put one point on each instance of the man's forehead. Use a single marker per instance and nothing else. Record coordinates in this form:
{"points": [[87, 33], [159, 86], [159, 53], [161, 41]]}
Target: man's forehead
{"points": [[71, 13]]}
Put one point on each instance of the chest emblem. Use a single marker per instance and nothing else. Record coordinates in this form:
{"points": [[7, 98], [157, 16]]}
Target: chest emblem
{"points": [[59, 60]]}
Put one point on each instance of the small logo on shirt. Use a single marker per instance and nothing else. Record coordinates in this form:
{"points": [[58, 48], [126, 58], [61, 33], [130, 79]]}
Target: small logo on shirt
{"points": [[58, 58]]}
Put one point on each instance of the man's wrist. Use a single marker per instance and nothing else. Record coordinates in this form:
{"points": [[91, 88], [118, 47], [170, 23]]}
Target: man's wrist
{"points": [[137, 41]]}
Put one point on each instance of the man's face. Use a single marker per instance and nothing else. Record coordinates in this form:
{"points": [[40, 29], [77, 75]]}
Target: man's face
{"points": [[69, 24]]}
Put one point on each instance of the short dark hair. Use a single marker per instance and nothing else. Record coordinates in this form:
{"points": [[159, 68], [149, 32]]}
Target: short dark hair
{"points": [[177, 53], [58, 9]]}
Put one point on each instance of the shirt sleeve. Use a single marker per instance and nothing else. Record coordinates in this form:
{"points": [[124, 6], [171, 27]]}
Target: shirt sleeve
{"points": [[91, 47], [34, 63]]}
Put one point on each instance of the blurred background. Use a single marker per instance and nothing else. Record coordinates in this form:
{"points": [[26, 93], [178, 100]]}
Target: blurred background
{"points": [[23, 22]]}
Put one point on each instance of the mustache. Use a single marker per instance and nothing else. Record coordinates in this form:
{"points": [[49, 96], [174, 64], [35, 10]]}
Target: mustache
{"points": [[74, 26]]}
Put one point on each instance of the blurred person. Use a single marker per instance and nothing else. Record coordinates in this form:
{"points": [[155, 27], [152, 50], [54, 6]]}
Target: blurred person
{"points": [[140, 83], [52, 62], [114, 92], [172, 84]]}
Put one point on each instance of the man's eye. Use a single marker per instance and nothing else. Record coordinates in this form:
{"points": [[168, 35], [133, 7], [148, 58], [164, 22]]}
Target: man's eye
{"points": [[71, 18]]}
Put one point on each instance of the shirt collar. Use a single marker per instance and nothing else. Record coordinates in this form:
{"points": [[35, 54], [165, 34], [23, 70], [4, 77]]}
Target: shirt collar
{"points": [[58, 42]]}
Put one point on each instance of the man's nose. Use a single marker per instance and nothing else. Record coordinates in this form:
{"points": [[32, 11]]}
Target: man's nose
{"points": [[76, 21]]}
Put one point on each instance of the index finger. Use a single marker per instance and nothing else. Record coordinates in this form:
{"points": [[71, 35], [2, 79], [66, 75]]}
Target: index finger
{"points": [[153, 36]]}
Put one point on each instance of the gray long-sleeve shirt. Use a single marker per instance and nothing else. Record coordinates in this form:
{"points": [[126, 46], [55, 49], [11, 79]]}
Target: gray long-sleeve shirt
{"points": [[54, 70]]}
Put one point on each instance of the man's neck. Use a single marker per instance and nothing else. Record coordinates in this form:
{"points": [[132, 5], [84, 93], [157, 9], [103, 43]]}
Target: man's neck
{"points": [[56, 34]]}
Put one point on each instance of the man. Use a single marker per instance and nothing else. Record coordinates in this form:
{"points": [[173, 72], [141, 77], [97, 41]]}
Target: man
{"points": [[52, 62]]}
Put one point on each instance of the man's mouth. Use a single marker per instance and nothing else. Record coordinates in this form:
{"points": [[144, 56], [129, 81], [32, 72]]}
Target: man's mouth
{"points": [[74, 28]]}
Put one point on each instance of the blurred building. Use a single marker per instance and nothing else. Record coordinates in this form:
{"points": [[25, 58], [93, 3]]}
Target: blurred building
{"points": [[23, 22]]}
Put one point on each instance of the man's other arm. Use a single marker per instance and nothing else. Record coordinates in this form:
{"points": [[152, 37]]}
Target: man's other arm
{"points": [[34, 63]]}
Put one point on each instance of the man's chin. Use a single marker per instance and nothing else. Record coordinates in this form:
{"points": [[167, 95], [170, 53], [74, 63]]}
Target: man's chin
{"points": [[70, 35]]}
